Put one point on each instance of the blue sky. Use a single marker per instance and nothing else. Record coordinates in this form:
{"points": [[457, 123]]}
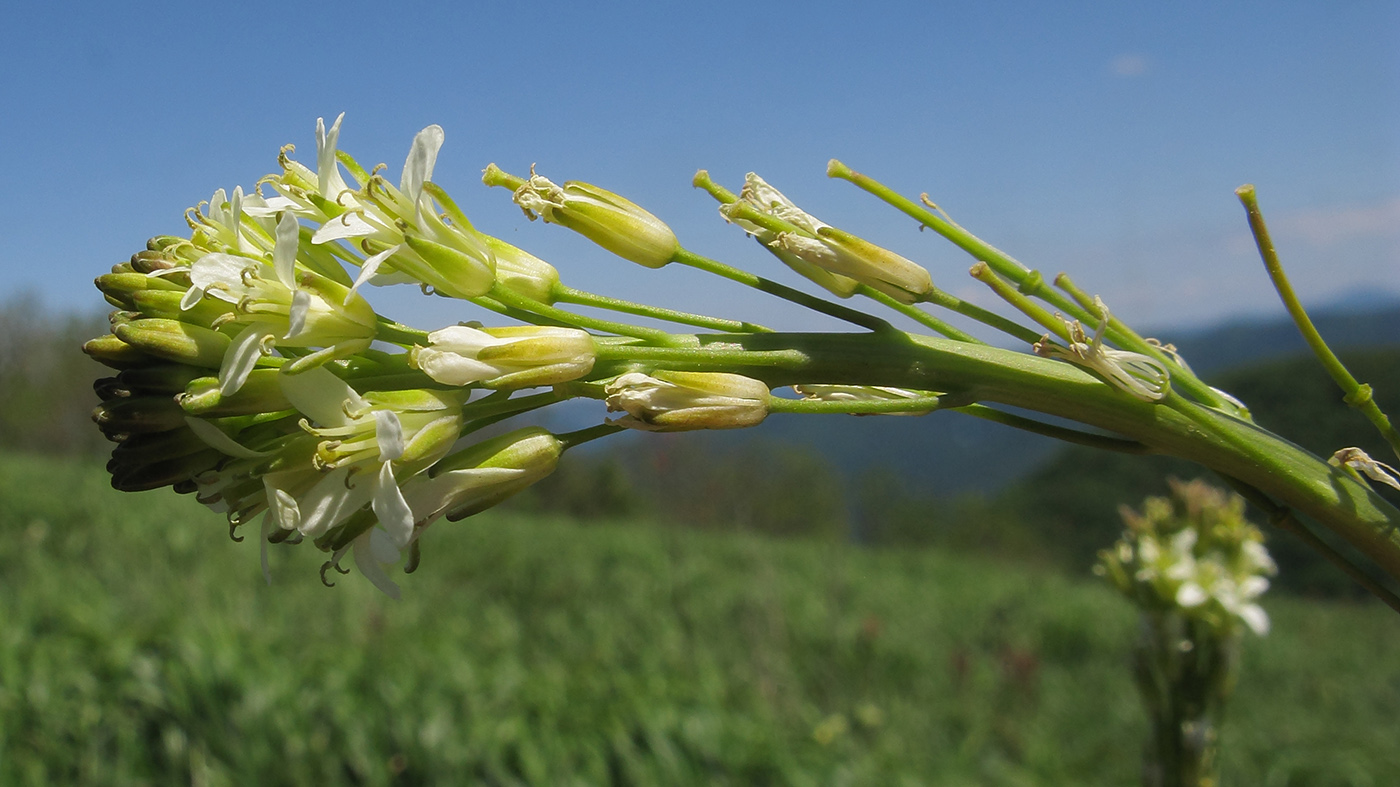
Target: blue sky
{"points": [[1104, 139]]}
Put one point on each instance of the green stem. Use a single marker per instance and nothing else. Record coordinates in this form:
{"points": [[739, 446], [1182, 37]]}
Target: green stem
{"points": [[953, 303], [1357, 395], [1028, 281], [511, 298], [1175, 425], [915, 406], [567, 294], [1104, 442], [984, 273], [869, 322], [396, 333], [581, 436], [937, 297], [1283, 518], [919, 315]]}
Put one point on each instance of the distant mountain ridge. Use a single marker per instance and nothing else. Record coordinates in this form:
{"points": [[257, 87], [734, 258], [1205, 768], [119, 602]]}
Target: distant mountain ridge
{"points": [[1357, 322]]}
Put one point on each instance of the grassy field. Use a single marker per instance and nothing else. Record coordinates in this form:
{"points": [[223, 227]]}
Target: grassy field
{"points": [[139, 645]]}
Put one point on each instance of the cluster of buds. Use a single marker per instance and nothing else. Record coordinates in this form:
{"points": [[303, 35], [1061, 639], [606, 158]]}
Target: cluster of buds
{"points": [[1193, 553]]}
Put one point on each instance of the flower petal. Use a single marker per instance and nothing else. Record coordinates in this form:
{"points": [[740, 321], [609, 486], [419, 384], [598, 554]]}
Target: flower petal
{"points": [[284, 252], [215, 438], [368, 549], [388, 431], [390, 507], [369, 267], [241, 356], [422, 157], [321, 396]]}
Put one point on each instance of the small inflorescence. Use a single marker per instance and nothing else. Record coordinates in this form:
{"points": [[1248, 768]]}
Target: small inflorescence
{"points": [[1192, 554]]}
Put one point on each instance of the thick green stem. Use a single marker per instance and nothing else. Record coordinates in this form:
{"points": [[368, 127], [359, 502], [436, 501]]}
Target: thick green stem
{"points": [[1356, 394], [1174, 426]]}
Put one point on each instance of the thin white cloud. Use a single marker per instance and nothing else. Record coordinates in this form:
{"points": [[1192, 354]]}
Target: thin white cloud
{"points": [[1128, 65], [1325, 226]]}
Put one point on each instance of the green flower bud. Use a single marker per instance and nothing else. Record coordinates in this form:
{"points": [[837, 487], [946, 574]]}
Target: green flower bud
{"points": [[451, 271], [473, 480], [523, 272], [682, 401], [111, 351], [119, 287], [260, 393], [609, 220], [173, 340], [510, 357]]}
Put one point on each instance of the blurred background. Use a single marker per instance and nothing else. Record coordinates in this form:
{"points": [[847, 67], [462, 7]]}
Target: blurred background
{"points": [[821, 600]]}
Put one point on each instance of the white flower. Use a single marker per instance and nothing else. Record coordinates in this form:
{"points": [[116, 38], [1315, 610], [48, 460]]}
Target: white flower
{"points": [[681, 401], [361, 439], [280, 306], [511, 357], [1134, 373]]}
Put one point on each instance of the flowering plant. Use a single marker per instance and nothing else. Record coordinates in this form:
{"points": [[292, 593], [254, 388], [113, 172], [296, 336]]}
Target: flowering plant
{"points": [[251, 371]]}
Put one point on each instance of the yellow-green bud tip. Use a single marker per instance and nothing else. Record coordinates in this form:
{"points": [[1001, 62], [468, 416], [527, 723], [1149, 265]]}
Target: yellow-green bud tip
{"points": [[835, 169]]}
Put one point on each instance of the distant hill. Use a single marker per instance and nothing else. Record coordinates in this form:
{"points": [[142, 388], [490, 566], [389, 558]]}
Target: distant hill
{"points": [[1355, 323]]}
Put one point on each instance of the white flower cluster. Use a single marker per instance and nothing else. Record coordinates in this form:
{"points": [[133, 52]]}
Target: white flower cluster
{"points": [[245, 373], [1193, 553]]}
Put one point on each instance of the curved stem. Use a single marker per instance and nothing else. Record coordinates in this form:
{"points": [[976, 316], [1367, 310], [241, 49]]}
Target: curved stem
{"points": [[1176, 425], [1357, 395]]}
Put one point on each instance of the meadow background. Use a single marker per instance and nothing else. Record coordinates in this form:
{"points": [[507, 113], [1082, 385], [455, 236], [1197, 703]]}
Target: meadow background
{"points": [[674, 611], [823, 601]]}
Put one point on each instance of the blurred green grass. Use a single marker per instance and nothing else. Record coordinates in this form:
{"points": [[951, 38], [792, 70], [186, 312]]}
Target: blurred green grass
{"points": [[139, 645]]}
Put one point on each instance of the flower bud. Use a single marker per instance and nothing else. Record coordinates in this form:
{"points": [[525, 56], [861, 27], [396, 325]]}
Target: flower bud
{"points": [[140, 414], [115, 353], [471, 481], [119, 287], [510, 357], [523, 272], [452, 271], [609, 220], [844, 254], [682, 401], [173, 340], [261, 392]]}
